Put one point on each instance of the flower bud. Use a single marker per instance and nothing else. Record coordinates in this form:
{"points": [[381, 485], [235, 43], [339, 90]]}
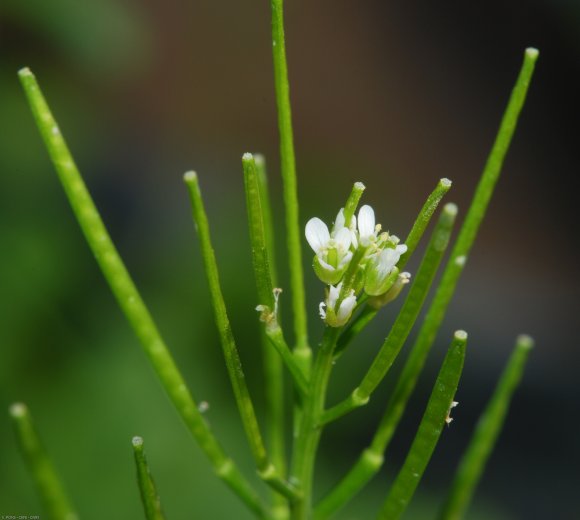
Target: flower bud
{"points": [[337, 317], [379, 277], [379, 301]]}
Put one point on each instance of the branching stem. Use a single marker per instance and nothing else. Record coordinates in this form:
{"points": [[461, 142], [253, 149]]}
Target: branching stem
{"points": [[362, 471], [128, 297], [405, 320], [420, 225], [231, 355]]}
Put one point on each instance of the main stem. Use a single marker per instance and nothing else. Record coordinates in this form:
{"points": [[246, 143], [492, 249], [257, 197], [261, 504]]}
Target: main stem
{"points": [[288, 167], [310, 427]]}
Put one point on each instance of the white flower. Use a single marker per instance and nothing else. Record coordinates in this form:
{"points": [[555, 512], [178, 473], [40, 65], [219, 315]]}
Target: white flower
{"points": [[339, 224], [337, 318], [332, 252], [389, 257], [380, 267], [367, 230]]}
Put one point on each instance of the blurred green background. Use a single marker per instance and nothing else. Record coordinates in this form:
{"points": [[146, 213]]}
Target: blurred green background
{"points": [[394, 94]]}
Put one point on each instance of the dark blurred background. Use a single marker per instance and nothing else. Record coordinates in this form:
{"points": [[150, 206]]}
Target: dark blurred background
{"points": [[396, 94]]}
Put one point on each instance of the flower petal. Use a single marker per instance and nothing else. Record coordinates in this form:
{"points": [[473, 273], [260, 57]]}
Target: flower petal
{"points": [[346, 308], [317, 234], [333, 294], [339, 222], [402, 249], [345, 260], [323, 264], [387, 260], [353, 239], [321, 310], [366, 223], [342, 240]]}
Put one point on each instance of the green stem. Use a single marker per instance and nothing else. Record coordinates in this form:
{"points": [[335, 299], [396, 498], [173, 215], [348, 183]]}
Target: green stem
{"points": [[354, 328], [417, 231], [371, 459], [423, 219], [353, 481], [275, 335], [367, 465], [288, 167], [310, 428], [262, 237], [486, 433], [149, 496], [128, 297], [456, 263], [352, 202], [233, 362], [51, 491], [493, 166], [268, 220], [273, 374], [430, 429], [479, 202], [284, 488], [405, 320], [231, 355], [349, 277], [260, 257]]}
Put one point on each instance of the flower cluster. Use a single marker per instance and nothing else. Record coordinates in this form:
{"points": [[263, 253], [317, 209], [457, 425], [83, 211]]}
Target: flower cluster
{"points": [[352, 258]]}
